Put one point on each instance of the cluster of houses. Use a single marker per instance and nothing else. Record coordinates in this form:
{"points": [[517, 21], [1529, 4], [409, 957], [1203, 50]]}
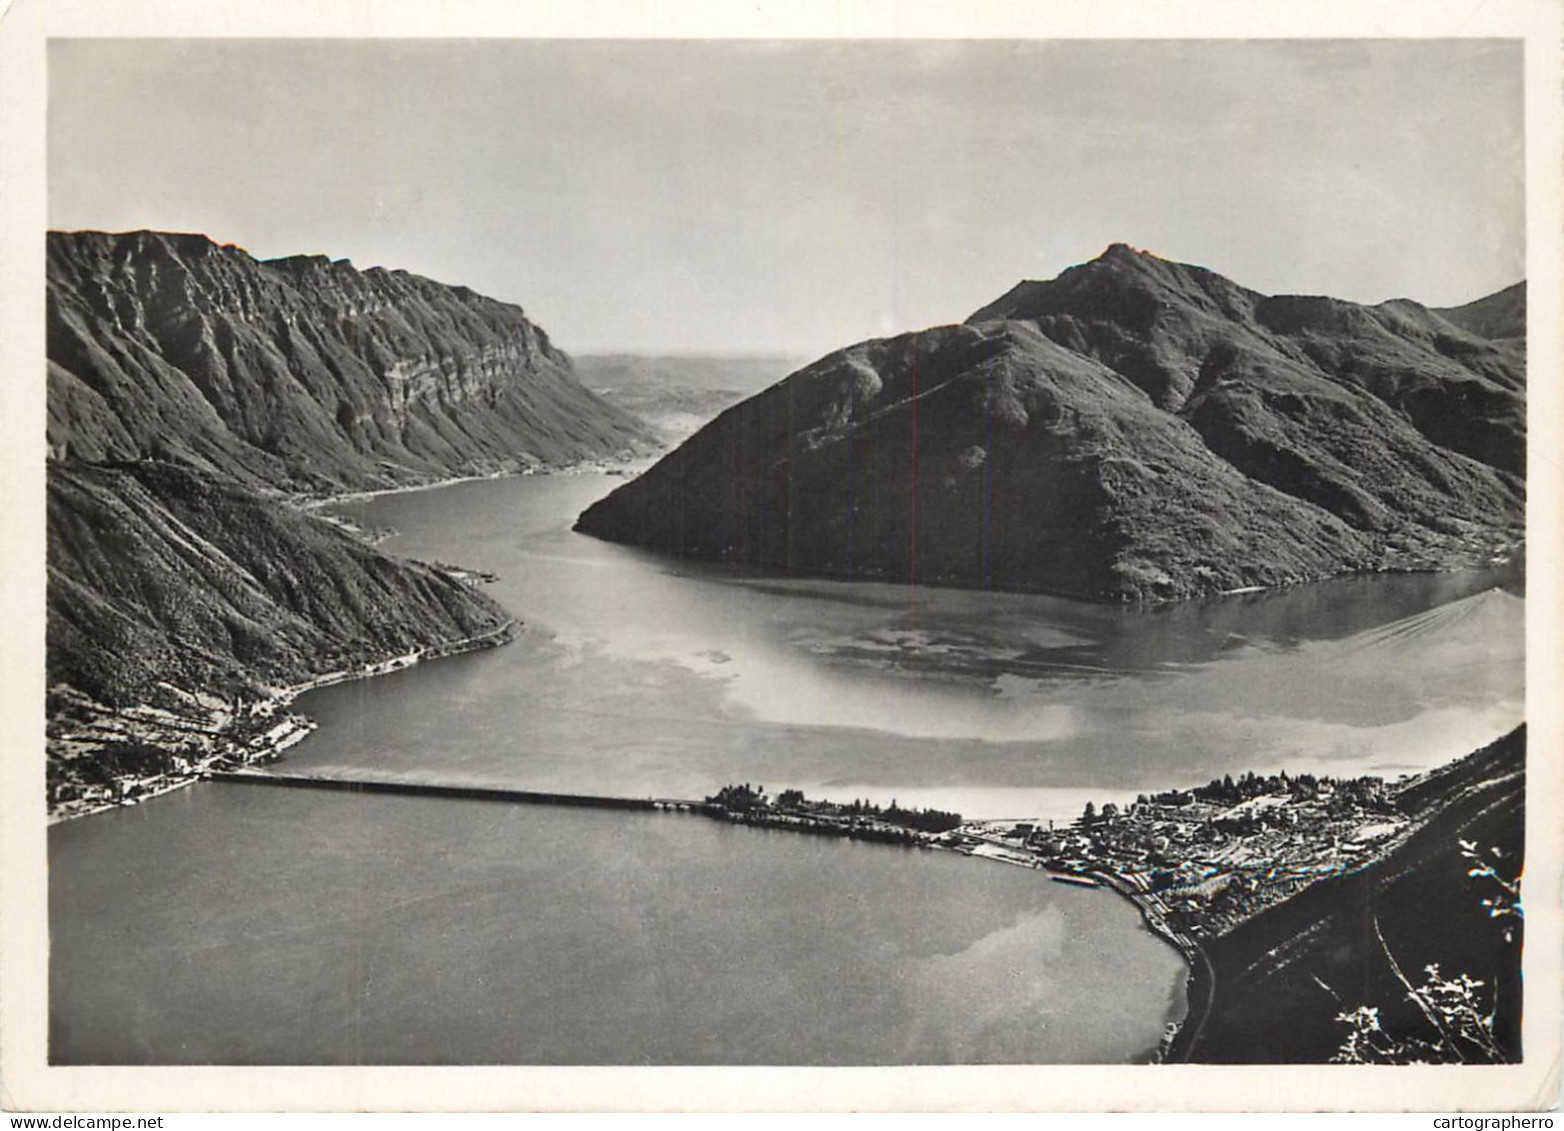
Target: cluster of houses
{"points": [[1217, 855], [98, 756]]}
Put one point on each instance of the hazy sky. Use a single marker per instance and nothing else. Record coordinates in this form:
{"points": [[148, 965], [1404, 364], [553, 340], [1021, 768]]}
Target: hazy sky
{"points": [[796, 197]]}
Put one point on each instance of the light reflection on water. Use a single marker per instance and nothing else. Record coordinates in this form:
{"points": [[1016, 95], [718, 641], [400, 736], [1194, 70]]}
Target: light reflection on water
{"points": [[637, 674], [229, 924]]}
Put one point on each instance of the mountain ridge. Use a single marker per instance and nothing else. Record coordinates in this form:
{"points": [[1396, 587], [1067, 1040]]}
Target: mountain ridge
{"points": [[202, 584], [1134, 429], [302, 372], [1500, 316]]}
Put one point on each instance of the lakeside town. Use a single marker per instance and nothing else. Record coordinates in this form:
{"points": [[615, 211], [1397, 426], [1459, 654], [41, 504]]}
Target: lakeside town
{"points": [[1203, 860], [99, 757], [1197, 862]]}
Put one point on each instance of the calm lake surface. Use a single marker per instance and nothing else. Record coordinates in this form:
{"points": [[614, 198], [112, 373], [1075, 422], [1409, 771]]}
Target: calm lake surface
{"points": [[251, 925], [638, 675], [232, 924]]}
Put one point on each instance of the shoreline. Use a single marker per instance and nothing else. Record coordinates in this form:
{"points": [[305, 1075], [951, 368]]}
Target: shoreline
{"points": [[601, 466], [1198, 977], [1133, 885], [1510, 559], [219, 726], [493, 638], [1093, 851], [226, 747], [869, 829]]}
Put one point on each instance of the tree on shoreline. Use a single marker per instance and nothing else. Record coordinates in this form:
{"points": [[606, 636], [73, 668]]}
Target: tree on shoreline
{"points": [[752, 799]]}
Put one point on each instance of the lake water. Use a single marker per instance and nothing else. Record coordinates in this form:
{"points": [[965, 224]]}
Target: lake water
{"points": [[638, 675], [250, 925], [232, 924]]}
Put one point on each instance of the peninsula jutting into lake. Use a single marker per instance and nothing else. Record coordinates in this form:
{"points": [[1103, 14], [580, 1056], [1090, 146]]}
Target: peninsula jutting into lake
{"points": [[1013, 568], [1212, 867], [213, 560], [1135, 429]]}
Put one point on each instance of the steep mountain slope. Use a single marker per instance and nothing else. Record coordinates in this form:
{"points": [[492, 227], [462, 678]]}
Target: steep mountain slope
{"points": [[1318, 954], [189, 387], [301, 373], [1133, 429], [158, 575]]}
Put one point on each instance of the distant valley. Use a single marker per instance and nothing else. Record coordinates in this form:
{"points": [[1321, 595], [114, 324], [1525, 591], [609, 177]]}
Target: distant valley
{"points": [[676, 394]]}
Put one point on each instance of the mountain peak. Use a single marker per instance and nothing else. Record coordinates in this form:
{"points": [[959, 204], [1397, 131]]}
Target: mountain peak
{"points": [[1124, 285], [1122, 252], [1145, 429]]}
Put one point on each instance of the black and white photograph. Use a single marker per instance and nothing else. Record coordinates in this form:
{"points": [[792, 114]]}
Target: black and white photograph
{"points": [[821, 552]]}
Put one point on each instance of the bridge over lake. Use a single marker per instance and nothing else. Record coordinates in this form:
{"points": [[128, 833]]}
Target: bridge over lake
{"points": [[250, 776]]}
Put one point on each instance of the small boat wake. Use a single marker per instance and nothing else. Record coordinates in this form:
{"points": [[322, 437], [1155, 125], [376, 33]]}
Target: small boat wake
{"points": [[1490, 616]]}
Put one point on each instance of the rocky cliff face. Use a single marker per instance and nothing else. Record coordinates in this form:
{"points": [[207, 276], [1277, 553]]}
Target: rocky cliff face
{"points": [[301, 373], [1133, 429]]}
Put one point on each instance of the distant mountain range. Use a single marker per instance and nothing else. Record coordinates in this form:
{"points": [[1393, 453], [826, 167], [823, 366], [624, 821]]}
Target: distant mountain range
{"points": [[1134, 429], [677, 393]]}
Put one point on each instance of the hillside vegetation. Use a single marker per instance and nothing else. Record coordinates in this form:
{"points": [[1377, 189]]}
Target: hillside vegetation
{"points": [[1134, 429], [1335, 946], [303, 372], [159, 575], [194, 394]]}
